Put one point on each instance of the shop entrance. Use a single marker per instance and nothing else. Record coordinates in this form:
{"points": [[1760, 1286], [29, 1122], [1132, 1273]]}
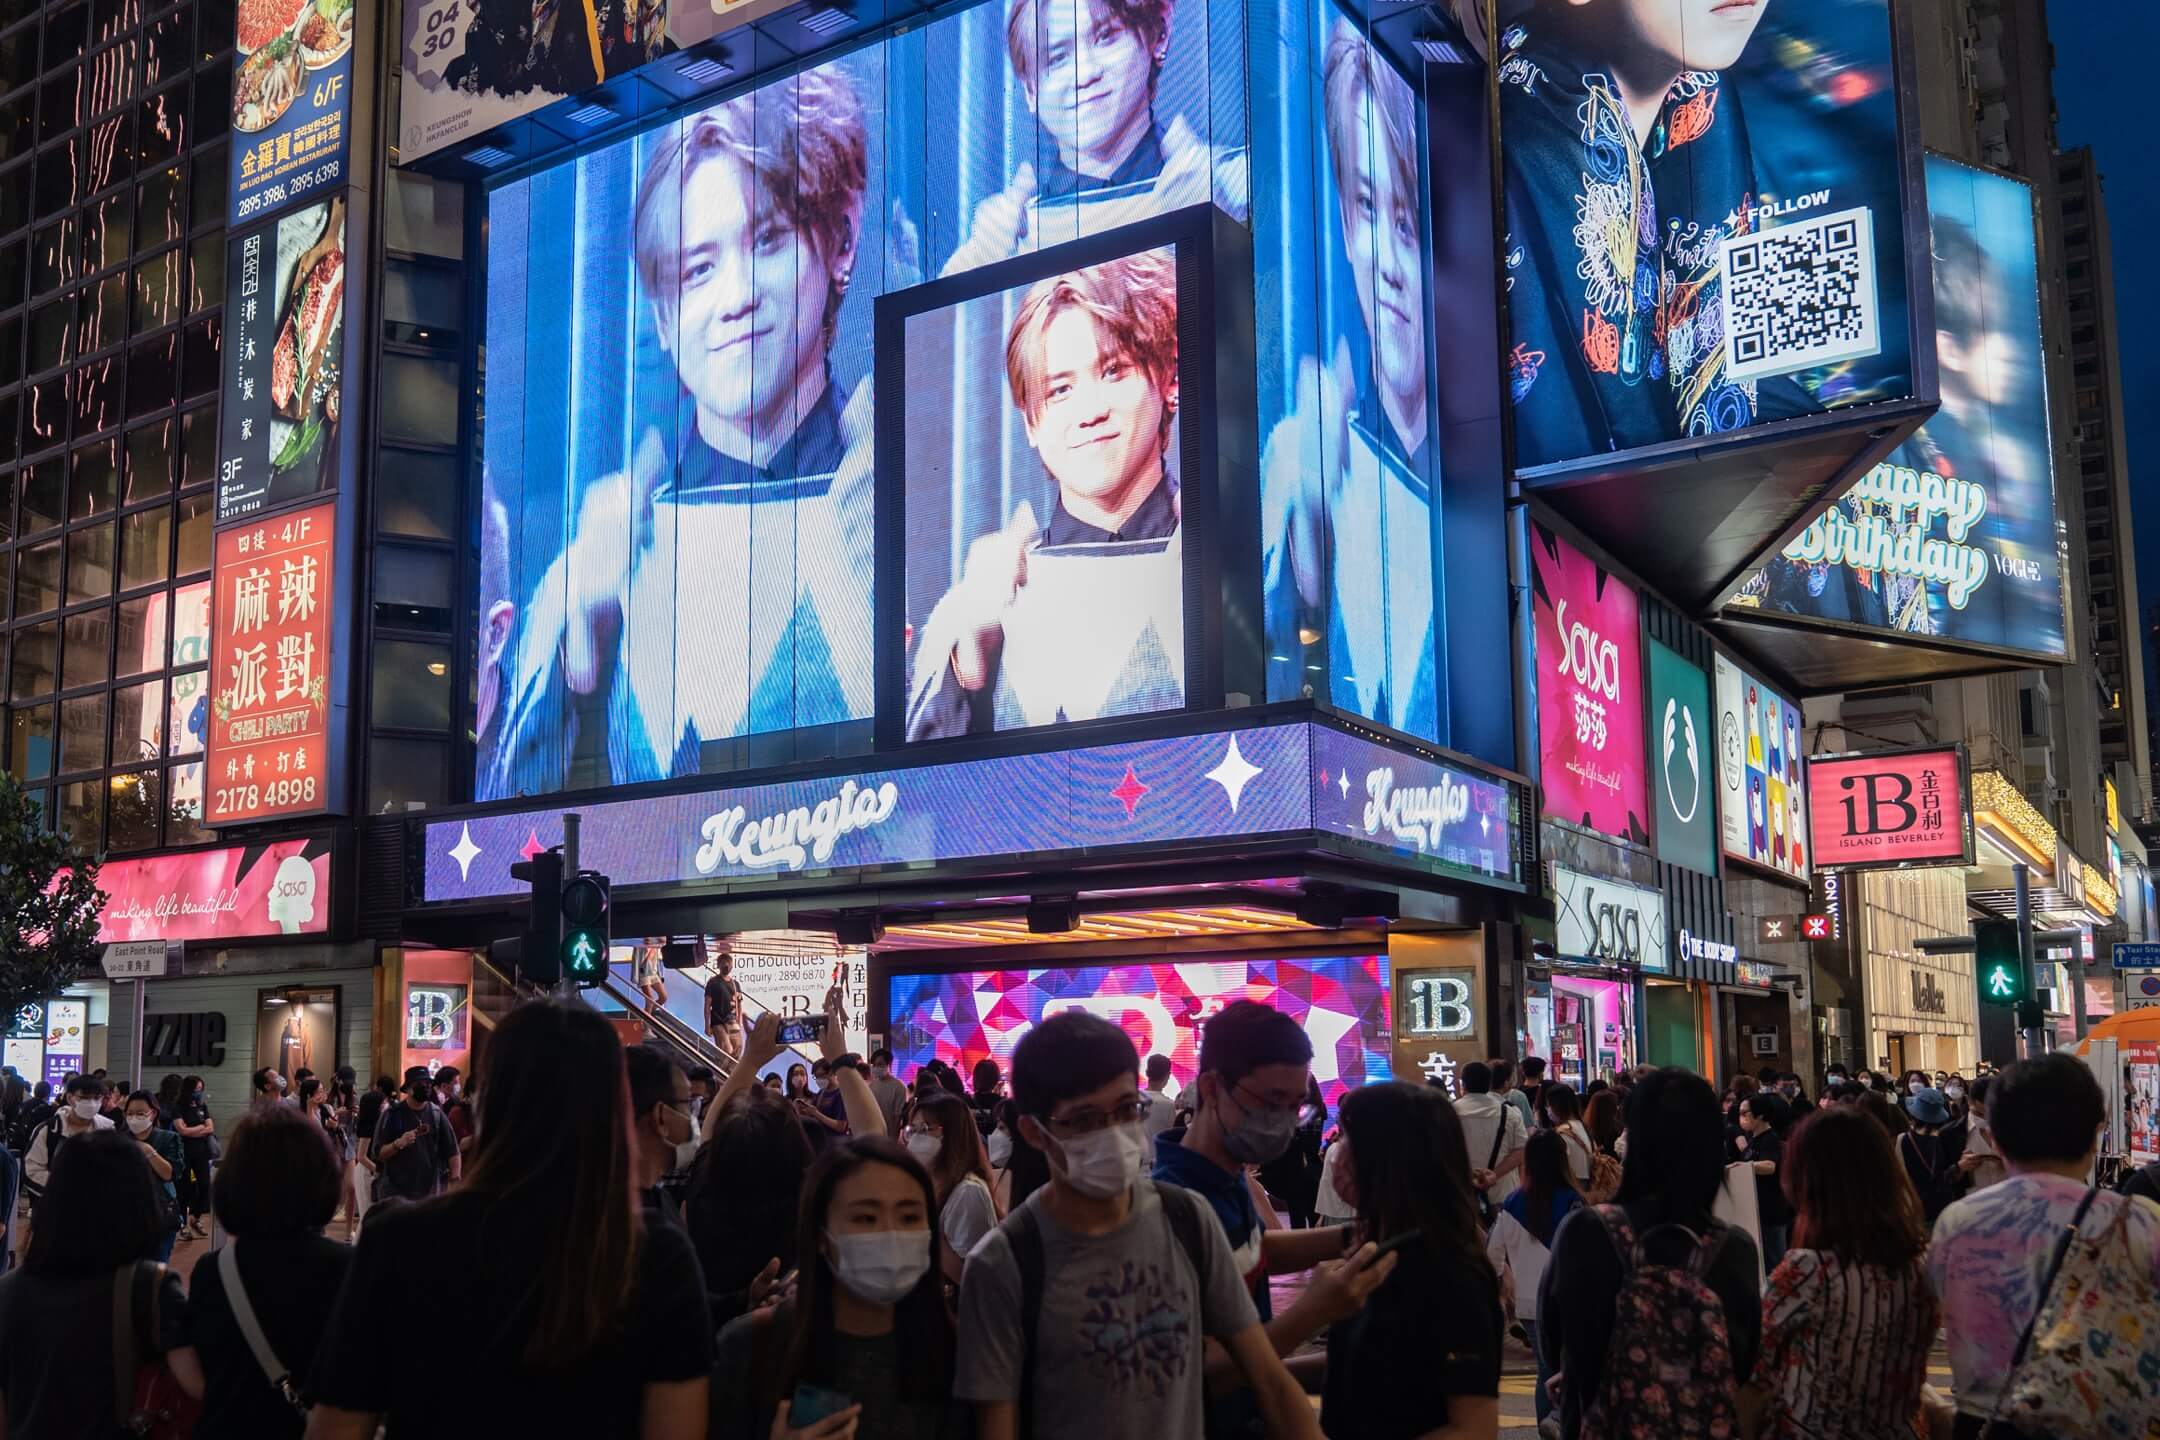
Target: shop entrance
{"points": [[1583, 1023]]}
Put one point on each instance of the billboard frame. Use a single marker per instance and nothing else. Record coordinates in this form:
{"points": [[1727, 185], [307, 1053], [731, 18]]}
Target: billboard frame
{"points": [[1967, 858]]}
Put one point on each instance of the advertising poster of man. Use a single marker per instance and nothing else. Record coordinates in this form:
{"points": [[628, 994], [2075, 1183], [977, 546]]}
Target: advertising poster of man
{"points": [[297, 1029], [1703, 211], [678, 530], [1348, 540], [1069, 603], [1954, 535]]}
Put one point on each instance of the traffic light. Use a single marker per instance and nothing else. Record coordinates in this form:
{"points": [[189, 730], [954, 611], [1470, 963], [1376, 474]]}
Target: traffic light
{"points": [[538, 953], [1999, 963], [585, 927]]}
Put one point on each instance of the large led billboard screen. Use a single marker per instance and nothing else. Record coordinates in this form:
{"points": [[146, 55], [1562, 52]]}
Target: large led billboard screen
{"points": [[678, 439], [1762, 773], [1952, 537], [1588, 639], [1040, 459], [1352, 457], [961, 1017], [1704, 211]]}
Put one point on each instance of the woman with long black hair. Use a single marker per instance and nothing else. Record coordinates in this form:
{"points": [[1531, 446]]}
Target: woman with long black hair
{"points": [[1437, 1317], [943, 1139], [867, 1326], [575, 1317], [199, 1147]]}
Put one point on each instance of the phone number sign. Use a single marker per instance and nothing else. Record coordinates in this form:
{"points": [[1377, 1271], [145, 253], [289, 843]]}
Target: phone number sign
{"points": [[292, 108], [270, 665]]}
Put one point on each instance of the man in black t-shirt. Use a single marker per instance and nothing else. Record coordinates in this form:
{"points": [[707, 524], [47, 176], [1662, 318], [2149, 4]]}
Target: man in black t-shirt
{"points": [[414, 1150]]}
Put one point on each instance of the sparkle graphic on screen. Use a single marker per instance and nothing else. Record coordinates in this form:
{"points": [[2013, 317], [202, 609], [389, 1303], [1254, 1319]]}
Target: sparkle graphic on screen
{"points": [[1128, 792]]}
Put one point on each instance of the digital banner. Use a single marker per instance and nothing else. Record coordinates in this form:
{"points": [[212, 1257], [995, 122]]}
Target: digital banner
{"points": [[229, 893], [291, 101], [1901, 807], [1589, 690], [284, 352], [1704, 215], [681, 326], [24, 1046], [1683, 760], [67, 1026], [1268, 780], [1952, 536], [1342, 1003], [1047, 413], [270, 667], [2141, 1100], [1762, 773], [1610, 921]]}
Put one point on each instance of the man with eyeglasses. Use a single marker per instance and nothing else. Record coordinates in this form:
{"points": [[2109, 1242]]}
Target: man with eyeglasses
{"points": [[1086, 1312], [1254, 1065], [663, 1136]]}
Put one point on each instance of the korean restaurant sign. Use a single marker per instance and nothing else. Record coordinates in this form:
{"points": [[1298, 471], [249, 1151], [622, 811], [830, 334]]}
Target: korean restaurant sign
{"points": [[270, 659], [1904, 807], [291, 101]]}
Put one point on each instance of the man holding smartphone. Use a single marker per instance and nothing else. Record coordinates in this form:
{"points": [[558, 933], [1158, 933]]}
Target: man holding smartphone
{"points": [[413, 1151]]}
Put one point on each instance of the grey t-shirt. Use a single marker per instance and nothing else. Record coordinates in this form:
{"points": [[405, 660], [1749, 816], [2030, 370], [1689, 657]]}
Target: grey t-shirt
{"points": [[1124, 1318]]}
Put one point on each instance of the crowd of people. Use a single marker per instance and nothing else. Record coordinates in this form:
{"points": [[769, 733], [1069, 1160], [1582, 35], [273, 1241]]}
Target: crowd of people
{"points": [[604, 1241]]}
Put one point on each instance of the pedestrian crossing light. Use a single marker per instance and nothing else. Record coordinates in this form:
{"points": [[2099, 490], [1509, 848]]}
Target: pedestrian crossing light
{"points": [[1999, 966], [585, 928]]}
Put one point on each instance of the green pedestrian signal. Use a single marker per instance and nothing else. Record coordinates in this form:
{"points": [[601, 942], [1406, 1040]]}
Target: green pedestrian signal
{"points": [[1998, 964], [585, 899]]}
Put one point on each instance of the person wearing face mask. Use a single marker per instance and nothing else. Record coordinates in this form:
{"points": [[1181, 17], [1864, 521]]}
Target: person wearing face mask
{"points": [[265, 1088], [1255, 1074], [664, 1139], [1104, 1251], [77, 1115], [413, 1149], [944, 1139], [886, 1089], [162, 1148], [192, 1122], [867, 1329]]}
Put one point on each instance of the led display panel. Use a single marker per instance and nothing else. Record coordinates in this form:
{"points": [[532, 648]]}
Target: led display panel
{"points": [[1893, 808], [1342, 1003], [1953, 536], [1589, 689], [678, 444], [1704, 218], [1762, 773], [1043, 505], [1351, 462]]}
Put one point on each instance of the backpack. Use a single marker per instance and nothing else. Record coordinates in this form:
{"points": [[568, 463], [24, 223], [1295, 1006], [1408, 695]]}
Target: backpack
{"points": [[2088, 1365], [1669, 1368], [1943, 1184], [1604, 1172], [1181, 1209]]}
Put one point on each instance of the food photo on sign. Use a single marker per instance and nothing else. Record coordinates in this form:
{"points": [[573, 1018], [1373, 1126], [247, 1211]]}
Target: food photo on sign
{"points": [[291, 96], [285, 334]]}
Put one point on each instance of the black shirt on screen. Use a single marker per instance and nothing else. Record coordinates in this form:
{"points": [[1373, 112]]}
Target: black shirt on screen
{"points": [[464, 1265]]}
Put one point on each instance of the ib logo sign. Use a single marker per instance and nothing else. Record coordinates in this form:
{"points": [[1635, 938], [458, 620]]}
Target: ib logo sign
{"points": [[431, 1015]]}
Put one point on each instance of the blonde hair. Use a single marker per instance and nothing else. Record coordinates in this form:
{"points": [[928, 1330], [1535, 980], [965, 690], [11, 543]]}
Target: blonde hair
{"points": [[804, 139], [1351, 72], [1133, 302], [1148, 20]]}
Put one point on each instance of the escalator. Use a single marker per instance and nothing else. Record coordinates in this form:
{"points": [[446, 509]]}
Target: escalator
{"points": [[495, 995]]}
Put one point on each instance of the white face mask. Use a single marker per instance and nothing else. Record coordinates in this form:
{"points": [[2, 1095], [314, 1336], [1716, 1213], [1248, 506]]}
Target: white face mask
{"points": [[685, 1152], [1000, 1149], [139, 1124], [84, 1109], [925, 1147], [1105, 1163], [883, 1265]]}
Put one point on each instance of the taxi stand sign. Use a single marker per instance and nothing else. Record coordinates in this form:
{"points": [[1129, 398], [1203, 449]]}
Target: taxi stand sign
{"points": [[2136, 956]]}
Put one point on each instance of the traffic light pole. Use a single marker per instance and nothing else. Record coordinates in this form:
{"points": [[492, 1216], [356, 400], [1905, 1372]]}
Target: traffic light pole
{"points": [[565, 985], [2026, 952]]}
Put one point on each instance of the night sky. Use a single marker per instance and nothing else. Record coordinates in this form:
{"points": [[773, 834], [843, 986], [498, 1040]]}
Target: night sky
{"points": [[2103, 58]]}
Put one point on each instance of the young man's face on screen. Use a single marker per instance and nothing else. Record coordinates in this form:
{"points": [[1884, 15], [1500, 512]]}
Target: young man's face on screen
{"points": [[750, 303], [1380, 230], [1094, 87], [1100, 433], [1692, 34]]}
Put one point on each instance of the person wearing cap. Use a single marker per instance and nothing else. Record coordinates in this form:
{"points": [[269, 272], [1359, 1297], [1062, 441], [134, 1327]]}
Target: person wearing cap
{"points": [[1931, 1149]]}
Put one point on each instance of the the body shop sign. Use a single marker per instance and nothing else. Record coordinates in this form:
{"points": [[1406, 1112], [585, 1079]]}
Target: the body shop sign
{"points": [[1609, 921], [1589, 690], [270, 665], [1762, 773], [1905, 807], [1683, 760]]}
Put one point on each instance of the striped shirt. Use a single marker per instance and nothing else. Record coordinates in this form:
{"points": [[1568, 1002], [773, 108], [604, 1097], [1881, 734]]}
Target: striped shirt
{"points": [[1844, 1348]]}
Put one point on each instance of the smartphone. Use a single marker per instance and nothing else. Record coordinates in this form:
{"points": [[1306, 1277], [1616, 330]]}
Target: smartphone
{"points": [[802, 1029], [813, 1403], [1396, 1242]]}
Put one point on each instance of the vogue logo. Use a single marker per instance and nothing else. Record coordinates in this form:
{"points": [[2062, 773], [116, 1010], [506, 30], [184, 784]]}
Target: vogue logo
{"points": [[791, 839], [1415, 815]]}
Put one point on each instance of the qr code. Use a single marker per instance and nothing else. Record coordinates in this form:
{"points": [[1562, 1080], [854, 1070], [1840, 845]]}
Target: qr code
{"points": [[1800, 295]]}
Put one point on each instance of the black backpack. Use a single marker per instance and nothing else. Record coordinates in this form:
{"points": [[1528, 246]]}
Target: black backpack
{"points": [[1182, 1209]]}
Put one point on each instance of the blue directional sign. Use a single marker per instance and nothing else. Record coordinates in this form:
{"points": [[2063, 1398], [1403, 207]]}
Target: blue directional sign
{"points": [[2140, 956]]}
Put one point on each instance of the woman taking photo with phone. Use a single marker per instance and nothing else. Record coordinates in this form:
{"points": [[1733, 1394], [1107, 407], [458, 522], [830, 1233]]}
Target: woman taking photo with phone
{"points": [[864, 1350]]}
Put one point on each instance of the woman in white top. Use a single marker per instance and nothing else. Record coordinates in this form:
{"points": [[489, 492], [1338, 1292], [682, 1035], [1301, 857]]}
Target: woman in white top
{"points": [[945, 1138], [1522, 1232], [1566, 1112]]}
